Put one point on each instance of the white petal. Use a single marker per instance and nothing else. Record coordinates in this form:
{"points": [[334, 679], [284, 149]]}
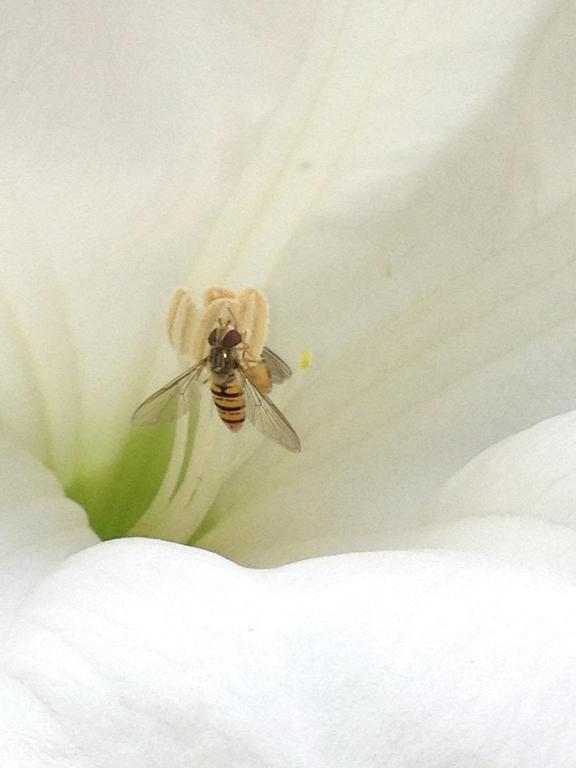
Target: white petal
{"points": [[39, 528], [514, 501], [532, 473], [153, 653], [429, 266], [145, 653]]}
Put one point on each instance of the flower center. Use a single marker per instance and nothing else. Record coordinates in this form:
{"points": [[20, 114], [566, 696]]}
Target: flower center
{"points": [[168, 476]]}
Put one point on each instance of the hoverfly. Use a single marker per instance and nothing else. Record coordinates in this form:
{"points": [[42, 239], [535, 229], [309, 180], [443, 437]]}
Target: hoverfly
{"points": [[238, 390]]}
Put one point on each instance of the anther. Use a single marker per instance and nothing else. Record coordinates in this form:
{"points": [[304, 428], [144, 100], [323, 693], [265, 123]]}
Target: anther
{"points": [[181, 322], [253, 321], [189, 330], [212, 294]]}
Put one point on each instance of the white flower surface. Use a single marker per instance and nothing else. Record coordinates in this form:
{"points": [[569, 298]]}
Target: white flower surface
{"points": [[398, 179]]}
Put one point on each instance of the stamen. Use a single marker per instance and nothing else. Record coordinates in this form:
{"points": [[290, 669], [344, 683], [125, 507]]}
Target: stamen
{"points": [[181, 322], [193, 480], [253, 321], [218, 293], [150, 522]]}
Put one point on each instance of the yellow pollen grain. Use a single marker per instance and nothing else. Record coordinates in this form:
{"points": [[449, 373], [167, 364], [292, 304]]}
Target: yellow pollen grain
{"points": [[305, 359]]}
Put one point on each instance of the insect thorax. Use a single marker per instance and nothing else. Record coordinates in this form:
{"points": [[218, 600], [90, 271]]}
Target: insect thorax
{"points": [[222, 361]]}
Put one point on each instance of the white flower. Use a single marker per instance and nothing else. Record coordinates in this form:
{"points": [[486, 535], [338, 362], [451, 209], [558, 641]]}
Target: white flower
{"points": [[398, 179]]}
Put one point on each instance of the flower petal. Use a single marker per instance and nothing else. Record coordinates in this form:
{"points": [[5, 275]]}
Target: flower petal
{"points": [[429, 265], [532, 473], [150, 653], [39, 528], [515, 500]]}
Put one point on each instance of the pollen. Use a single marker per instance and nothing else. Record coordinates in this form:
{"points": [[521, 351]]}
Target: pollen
{"points": [[305, 360]]}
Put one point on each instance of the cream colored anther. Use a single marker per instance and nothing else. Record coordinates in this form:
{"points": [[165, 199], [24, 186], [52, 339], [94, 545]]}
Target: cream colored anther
{"points": [[189, 329], [212, 294], [181, 322], [253, 321]]}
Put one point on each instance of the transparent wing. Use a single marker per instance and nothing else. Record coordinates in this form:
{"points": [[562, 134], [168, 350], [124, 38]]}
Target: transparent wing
{"points": [[267, 418], [172, 401], [279, 370]]}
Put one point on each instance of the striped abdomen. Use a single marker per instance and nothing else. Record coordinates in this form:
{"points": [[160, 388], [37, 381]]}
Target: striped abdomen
{"points": [[229, 400]]}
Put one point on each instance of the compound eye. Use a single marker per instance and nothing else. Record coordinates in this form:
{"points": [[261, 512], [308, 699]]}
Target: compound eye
{"points": [[231, 339], [213, 338]]}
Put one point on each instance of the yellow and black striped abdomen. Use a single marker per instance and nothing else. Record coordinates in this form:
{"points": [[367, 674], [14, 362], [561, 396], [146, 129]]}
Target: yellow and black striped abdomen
{"points": [[229, 400]]}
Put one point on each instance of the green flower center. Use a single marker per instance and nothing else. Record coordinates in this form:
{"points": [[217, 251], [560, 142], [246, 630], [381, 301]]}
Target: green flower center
{"points": [[117, 497]]}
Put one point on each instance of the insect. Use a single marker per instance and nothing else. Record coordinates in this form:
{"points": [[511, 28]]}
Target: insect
{"points": [[239, 388]]}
